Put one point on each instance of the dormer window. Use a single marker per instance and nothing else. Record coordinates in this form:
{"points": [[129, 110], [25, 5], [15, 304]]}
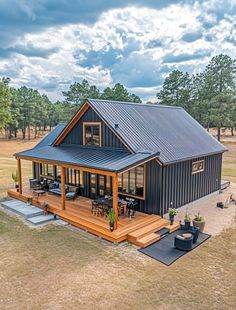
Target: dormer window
{"points": [[92, 134]]}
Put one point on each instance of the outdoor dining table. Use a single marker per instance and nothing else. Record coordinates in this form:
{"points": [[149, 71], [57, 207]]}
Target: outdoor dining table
{"points": [[107, 203]]}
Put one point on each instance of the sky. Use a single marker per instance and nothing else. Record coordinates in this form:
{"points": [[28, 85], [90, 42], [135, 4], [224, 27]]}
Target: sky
{"points": [[50, 44]]}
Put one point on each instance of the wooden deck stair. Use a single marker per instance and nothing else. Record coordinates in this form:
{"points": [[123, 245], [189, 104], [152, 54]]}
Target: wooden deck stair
{"points": [[146, 235], [139, 230]]}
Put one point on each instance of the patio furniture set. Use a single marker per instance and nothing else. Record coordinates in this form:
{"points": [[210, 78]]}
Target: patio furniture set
{"points": [[102, 205], [40, 188], [188, 237]]}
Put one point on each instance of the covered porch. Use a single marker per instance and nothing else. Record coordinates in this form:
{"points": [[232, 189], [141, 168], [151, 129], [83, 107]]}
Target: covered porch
{"points": [[106, 166], [78, 213]]}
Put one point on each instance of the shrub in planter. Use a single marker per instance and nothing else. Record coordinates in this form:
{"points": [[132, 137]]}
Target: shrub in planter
{"points": [[172, 214], [29, 200], [111, 218], [199, 222], [15, 178], [187, 221]]}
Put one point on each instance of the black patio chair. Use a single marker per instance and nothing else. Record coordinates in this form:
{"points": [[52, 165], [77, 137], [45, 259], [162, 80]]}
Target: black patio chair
{"points": [[183, 244], [72, 195]]}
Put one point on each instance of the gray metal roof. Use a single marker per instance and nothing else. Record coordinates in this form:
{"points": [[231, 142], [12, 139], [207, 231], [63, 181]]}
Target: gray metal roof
{"points": [[157, 128], [99, 158], [51, 136]]}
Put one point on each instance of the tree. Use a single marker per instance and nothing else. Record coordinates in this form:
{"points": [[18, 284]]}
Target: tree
{"points": [[78, 92], [219, 85], [5, 102], [176, 90], [119, 93]]}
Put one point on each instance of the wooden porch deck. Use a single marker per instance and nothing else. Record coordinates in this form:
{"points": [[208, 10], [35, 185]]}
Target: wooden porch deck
{"points": [[78, 213]]}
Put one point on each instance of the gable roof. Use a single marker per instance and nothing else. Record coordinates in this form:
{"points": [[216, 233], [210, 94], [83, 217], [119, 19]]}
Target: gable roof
{"points": [[51, 136], [157, 128]]}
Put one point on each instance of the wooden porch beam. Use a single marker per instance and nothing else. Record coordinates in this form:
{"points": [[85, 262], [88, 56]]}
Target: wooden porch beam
{"points": [[115, 197], [63, 191], [19, 175], [91, 170]]}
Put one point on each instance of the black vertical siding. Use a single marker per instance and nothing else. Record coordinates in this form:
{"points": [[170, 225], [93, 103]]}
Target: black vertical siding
{"points": [[151, 204], [109, 139], [180, 186]]}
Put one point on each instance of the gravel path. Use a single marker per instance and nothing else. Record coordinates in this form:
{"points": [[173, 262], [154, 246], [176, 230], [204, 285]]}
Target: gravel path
{"points": [[216, 219]]}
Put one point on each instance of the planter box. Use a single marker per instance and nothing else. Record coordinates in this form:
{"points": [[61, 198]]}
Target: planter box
{"points": [[200, 225]]}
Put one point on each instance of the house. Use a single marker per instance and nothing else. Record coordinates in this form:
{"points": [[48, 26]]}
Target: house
{"points": [[157, 155]]}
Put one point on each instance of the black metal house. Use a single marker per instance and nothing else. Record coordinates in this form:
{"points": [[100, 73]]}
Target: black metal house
{"points": [[162, 157]]}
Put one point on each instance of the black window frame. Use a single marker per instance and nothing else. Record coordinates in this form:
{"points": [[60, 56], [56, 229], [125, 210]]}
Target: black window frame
{"points": [[128, 190]]}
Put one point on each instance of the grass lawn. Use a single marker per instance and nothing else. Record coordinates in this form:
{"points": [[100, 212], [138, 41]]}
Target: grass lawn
{"points": [[55, 268], [8, 163], [229, 162]]}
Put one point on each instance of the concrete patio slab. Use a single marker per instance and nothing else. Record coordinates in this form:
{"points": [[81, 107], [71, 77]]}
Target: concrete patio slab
{"points": [[22, 208], [61, 222], [41, 219]]}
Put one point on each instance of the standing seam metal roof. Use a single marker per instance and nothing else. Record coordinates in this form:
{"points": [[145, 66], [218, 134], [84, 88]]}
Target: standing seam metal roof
{"points": [[51, 136], [98, 158], [157, 128]]}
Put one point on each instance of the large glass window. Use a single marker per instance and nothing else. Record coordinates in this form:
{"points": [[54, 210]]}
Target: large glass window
{"points": [[47, 170], [74, 177], [92, 133], [132, 182]]}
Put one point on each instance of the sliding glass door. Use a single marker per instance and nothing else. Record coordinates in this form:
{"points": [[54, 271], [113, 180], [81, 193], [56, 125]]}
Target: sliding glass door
{"points": [[100, 185]]}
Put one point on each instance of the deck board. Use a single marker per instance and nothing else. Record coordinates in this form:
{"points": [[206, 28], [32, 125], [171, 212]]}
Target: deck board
{"points": [[78, 213]]}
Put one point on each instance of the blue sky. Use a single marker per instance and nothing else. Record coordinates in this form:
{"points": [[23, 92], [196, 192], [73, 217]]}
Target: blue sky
{"points": [[49, 44]]}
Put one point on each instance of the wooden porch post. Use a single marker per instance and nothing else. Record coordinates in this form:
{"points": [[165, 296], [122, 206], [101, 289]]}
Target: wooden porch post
{"points": [[63, 204], [19, 175], [115, 196]]}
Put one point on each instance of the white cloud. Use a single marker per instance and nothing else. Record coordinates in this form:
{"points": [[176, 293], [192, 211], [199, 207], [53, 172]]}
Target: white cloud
{"points": [[123, 44]]}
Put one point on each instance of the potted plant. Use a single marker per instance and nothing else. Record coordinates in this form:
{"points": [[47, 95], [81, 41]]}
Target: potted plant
{"points": [[29, 200], [187, 221], [199, 222], [172, 214], [15, 178], [111, 218]]}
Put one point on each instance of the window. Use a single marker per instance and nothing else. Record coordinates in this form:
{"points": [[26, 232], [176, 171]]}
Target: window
{"points": [[74, 177], [108, 185], [47, 170], [197, 166], [92, 134], [58, 172], [132, 182]]}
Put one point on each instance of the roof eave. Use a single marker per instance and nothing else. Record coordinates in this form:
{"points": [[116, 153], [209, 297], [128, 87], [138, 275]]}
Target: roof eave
{"points": [[192, 157]]}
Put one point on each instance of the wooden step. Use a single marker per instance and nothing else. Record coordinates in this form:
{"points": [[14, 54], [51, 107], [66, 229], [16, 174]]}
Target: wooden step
{"points": [[147, 240], [137, 224], [151, 228], [173, 227]]}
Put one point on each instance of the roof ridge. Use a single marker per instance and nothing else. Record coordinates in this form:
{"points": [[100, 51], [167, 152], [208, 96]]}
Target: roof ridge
{"points": [[156, 105]]}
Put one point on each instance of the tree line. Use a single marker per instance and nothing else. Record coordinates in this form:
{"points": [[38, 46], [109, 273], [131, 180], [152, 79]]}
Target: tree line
{"points": [[22, 109], [208, 96]]}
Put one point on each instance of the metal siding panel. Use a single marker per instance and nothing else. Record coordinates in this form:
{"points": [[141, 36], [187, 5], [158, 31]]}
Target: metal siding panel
{"points": [[76, 134], [191, 186]]}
